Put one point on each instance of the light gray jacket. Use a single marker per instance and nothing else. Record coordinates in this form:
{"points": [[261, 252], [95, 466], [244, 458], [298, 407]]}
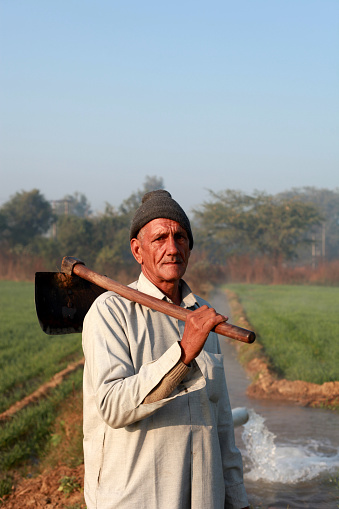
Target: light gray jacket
{"points": [[176, 453]]}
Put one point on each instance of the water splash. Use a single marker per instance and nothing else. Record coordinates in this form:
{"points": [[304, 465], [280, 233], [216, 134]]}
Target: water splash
{"points": [[283, 463]]}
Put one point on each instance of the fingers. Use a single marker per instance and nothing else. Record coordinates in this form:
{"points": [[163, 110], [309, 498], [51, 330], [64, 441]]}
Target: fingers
{"points": [[199, 323], [207, 317]]}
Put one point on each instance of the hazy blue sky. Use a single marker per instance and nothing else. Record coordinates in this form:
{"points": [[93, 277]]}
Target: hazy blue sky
{"points": [[208, 95]]}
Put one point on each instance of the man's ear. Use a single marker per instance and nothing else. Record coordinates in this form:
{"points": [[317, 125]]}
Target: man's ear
{"points": [[136, 250]]}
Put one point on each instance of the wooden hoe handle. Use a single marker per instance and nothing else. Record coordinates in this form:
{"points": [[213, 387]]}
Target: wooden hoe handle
{"points": [[72, 265]]}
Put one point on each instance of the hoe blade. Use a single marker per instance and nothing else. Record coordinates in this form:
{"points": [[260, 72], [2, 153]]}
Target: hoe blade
{"points": [[62, 301]]}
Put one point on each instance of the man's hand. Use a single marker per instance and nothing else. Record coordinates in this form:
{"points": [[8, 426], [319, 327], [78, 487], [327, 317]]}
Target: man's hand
{"points": [[197, 328]]}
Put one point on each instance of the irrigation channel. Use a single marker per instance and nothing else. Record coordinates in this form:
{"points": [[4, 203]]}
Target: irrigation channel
{"points": [[290, 453]]}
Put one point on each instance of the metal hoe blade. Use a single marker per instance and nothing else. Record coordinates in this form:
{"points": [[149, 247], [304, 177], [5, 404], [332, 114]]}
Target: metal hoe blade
{"points": [[62, 301]]}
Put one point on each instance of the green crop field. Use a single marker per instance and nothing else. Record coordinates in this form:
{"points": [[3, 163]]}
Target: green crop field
{"points": [[298, 327], [28, 358]]}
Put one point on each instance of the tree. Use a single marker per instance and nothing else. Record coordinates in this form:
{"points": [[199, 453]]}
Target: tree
{"points": [[222, 225], [131, 203], [24, 217], [111, 238], [75, 238], [326, 236], [112, 231], [282, 226], [116, 256], [233, 222], [74, 205]]}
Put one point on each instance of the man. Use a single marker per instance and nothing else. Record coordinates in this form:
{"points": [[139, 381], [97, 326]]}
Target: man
{"points": [[158, 430]]}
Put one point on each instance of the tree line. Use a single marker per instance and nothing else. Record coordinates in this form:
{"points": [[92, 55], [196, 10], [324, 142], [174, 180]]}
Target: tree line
{"points": [[297, 227]]}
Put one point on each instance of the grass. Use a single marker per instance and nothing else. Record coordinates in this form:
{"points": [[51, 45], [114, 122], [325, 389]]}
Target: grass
{"points": [[298, 327], [28, 357], [30, 436], [65, 441], [26, 435]]}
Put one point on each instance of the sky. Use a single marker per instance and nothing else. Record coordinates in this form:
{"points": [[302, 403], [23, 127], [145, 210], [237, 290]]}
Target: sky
{"points": [[95, 96]]}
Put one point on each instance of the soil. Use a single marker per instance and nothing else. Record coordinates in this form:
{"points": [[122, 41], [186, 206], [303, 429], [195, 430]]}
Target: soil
{"points": [[43, 390], [43, 491], [267, 386]]}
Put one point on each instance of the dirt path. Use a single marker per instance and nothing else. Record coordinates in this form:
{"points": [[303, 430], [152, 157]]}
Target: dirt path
{"points": [[43, 490], [267, 386], [42, 390]]}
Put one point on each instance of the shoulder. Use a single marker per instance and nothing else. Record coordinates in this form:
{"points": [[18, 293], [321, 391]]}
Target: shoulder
{"points": [[212, 344], [111, 303], [202, 301]]}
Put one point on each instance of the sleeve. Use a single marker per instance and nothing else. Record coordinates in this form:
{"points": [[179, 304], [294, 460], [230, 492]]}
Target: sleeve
{"points": [[167, 385], [117, 390], [235, 493]]}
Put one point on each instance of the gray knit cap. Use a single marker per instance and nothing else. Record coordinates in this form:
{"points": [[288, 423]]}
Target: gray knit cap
{"points": [[156, 204]]}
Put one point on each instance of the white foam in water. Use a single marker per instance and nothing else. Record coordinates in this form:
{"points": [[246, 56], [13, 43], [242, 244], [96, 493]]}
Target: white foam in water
{"points": [[282, 463]]}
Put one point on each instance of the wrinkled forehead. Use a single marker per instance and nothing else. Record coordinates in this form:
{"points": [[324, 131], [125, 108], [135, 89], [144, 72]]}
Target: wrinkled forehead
{"points": [[162, 225]]}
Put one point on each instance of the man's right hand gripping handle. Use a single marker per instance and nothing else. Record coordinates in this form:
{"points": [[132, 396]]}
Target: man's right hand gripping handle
{"points": [[197, 328]]}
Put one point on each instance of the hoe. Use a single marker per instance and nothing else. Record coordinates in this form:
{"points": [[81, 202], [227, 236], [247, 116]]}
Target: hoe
{"points": [[63, 298]]}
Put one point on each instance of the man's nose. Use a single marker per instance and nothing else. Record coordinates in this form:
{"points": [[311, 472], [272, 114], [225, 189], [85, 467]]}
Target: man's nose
{"points": [[171, 245]]}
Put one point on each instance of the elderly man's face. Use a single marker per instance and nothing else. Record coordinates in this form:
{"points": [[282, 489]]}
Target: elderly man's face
{"points": [[162, 249]]}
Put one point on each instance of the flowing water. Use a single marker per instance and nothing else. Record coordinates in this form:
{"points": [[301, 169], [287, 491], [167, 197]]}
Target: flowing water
{"points": [[290, 453]]}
